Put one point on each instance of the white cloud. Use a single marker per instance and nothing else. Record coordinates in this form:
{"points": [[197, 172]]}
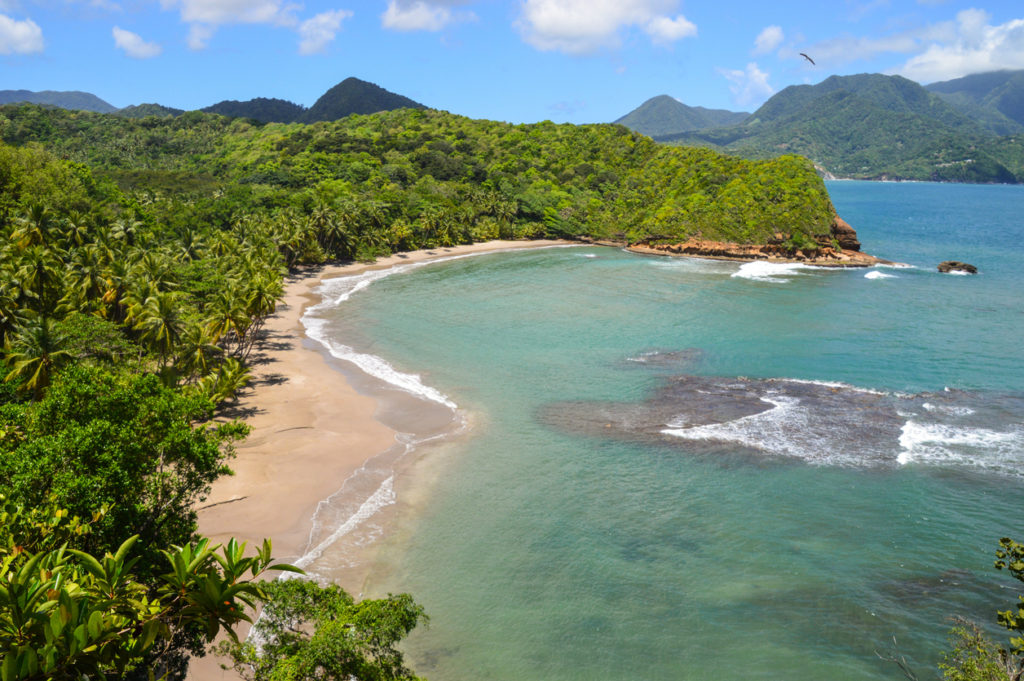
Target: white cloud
{"points": [[316, 33], [974, 46], [133, 44], [204, 16], [422, 15], [750, 86], [199, 36], [20, 37], [586, 26], [665, 30], [768, 39]]}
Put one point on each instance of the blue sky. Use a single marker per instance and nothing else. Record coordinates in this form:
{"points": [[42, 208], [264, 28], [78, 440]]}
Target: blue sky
{"points": [[517, 60]]}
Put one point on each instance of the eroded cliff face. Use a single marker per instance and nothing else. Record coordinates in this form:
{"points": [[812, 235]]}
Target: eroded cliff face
{"points": [[845, 234], [847, 255]]}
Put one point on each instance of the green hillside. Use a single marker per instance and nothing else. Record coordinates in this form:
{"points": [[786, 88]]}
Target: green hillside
{"points": [[354, 96], [144, 110], [266, 110], [422, 178], [871, 127], [664, 115], [74, 100], [995, 98]]}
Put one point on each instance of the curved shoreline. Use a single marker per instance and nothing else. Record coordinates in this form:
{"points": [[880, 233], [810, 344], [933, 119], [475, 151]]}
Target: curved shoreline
{"points": [[311, 429]]}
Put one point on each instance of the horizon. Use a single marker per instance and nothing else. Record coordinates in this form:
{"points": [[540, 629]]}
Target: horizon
{"points": [[560, 60]]}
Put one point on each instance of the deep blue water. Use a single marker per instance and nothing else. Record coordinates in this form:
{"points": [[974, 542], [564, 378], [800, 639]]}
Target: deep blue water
{"points": [[686, 469]]}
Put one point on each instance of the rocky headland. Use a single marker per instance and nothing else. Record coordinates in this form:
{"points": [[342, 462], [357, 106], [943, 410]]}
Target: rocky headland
{"points": [[838, 248]]}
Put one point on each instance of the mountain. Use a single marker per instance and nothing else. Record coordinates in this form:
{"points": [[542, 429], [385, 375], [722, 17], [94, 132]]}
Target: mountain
{"points": [[354, 96], [347, 97], [996, 99], [260, 109], [64, 100], [664, 115], [871, 126], [146, 110]]}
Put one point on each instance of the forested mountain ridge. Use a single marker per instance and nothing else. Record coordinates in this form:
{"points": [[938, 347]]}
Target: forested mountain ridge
{"points": [[259, 109], [995, 99], [422, 168], [665, 115], [871, 126], [74, 100]]}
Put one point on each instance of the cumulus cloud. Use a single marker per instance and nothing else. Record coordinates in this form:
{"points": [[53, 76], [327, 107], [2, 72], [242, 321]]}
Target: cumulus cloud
{"points": [[204, 16], [768, 39], [133, 44], [316, 33], [974, 46], [423, 15], [585, 26], [20, 37], [665, 30], [938, 51], [748, 86]]}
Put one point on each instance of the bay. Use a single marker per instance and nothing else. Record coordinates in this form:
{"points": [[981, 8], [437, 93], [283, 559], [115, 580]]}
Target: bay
{"points": [[686, 469]]}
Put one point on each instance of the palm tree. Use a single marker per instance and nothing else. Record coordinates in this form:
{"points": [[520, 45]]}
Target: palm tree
{"points": [[36, 227], [34, 352], [197, 348], [160, 323]]}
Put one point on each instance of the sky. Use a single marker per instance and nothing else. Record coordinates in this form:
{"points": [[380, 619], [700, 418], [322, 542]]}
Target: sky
{"points": [[523, 61]]}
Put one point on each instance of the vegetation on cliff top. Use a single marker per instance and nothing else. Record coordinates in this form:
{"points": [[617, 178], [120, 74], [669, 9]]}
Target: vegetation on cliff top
{"points": [[426, 178]]}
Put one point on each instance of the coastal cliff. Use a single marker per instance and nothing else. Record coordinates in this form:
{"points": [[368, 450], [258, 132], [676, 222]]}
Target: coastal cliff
{"points": [[839, 248]]}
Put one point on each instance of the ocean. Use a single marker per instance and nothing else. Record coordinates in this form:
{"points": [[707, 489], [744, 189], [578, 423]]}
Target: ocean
{"points": [[616, 466]]}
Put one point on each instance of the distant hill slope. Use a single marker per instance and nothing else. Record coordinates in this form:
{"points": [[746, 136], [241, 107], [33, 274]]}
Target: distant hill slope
{"points": [[664, 115], [354, 96], [872, 126], [260, 109], [996, 99], [145, 110], [73, 100]]}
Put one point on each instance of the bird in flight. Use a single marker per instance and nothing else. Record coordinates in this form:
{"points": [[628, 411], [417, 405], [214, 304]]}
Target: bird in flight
{"points": [[807, 58]]}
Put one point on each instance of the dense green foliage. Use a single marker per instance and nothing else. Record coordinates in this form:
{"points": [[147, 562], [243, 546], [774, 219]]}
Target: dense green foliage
{"points": [[120, 441], [872, 127], [311, 632], [68, 614], [410, 178]]}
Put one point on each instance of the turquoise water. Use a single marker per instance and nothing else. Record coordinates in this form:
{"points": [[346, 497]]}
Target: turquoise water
{"points": [[685, 469]]}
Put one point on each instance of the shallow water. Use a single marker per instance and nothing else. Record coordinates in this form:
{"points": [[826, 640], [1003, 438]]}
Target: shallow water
{"points": [[677, 468]]}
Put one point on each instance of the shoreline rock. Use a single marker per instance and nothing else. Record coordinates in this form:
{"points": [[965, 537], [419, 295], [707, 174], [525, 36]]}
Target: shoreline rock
{"points": [[957, 266], [826, 255]]}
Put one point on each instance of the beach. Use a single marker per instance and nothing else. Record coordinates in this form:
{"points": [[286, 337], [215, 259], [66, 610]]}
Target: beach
{"points": [[311, 429]]}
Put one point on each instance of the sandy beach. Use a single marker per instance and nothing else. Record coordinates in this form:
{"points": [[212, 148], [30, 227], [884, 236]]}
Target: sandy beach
{"points": [[311, 430]]}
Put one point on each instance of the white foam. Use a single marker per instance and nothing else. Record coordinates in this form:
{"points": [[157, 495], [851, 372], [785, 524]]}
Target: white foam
{"points": [[337, 291], [383, 496], [875, 274], [776, 272], [958, 273], [776, 430], [942, 443], [948, 409], [830, 384]]}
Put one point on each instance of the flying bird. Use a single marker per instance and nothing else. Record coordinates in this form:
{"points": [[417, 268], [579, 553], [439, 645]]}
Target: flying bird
{"points": [[807, 58]]}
